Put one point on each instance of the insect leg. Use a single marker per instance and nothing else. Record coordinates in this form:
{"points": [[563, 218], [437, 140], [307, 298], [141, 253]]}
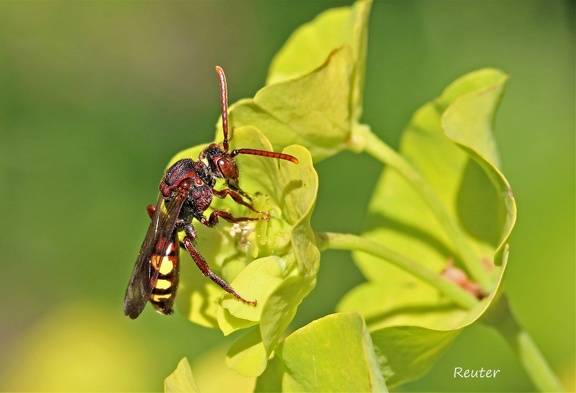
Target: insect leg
{"points": [[213, 219], [205, 269], [238, 199], [234, 186]]}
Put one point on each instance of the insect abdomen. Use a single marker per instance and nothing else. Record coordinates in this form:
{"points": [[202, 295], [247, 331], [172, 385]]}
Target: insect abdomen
{"points": [[165, 287]]}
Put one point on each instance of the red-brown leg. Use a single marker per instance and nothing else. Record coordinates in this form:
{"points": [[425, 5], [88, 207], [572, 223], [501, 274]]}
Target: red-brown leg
{"points": [[205, 269], [151, 209], [237, 198], [213, 219]]}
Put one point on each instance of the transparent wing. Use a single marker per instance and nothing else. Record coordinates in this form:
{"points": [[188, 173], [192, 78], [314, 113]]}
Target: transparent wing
{"points": [[158, 238]]}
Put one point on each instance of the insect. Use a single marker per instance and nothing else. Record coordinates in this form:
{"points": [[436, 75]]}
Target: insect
{"points": [[186, 192]]}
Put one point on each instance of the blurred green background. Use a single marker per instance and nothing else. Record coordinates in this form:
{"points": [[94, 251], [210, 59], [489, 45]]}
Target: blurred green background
{"points": [[96, 97]]}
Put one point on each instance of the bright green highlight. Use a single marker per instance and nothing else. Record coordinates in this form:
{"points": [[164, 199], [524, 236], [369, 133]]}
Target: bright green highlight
{"points": [[332, 354], [181, 380]]}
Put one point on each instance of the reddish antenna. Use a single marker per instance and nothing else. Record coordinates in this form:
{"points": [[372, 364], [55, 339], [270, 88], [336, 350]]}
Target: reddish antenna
{"points": [[235, 152], [224, 104]]}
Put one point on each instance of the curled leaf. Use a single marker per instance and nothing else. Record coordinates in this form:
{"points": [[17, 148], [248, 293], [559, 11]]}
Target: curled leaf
{"points": [[181, 380], [314, 92], [450, 143]]}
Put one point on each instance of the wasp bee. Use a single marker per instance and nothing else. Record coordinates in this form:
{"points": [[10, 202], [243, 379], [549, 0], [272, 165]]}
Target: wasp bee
{"points": [[186, 192]]}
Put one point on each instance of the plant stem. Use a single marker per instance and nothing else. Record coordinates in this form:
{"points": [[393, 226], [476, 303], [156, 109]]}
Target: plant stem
{"points": [[383, 153], [501, 318], [339, 241]]}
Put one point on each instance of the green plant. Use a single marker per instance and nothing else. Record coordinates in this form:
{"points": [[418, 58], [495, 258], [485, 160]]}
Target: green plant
{"points": [[434, 251]]}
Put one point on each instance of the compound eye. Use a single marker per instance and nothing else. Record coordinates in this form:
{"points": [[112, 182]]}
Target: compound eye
{"points": [[226, 168], [198, 181]]}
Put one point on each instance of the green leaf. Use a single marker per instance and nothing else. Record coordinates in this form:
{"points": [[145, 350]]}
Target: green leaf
{"points": [[311, 111], [468, 123], [261, 278], [450, 143], [408, 352], [332, 354], [293, 276], [249, 355], [314, 101], [401, 220], [181, 380], [410, 331], [312, 43]]}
